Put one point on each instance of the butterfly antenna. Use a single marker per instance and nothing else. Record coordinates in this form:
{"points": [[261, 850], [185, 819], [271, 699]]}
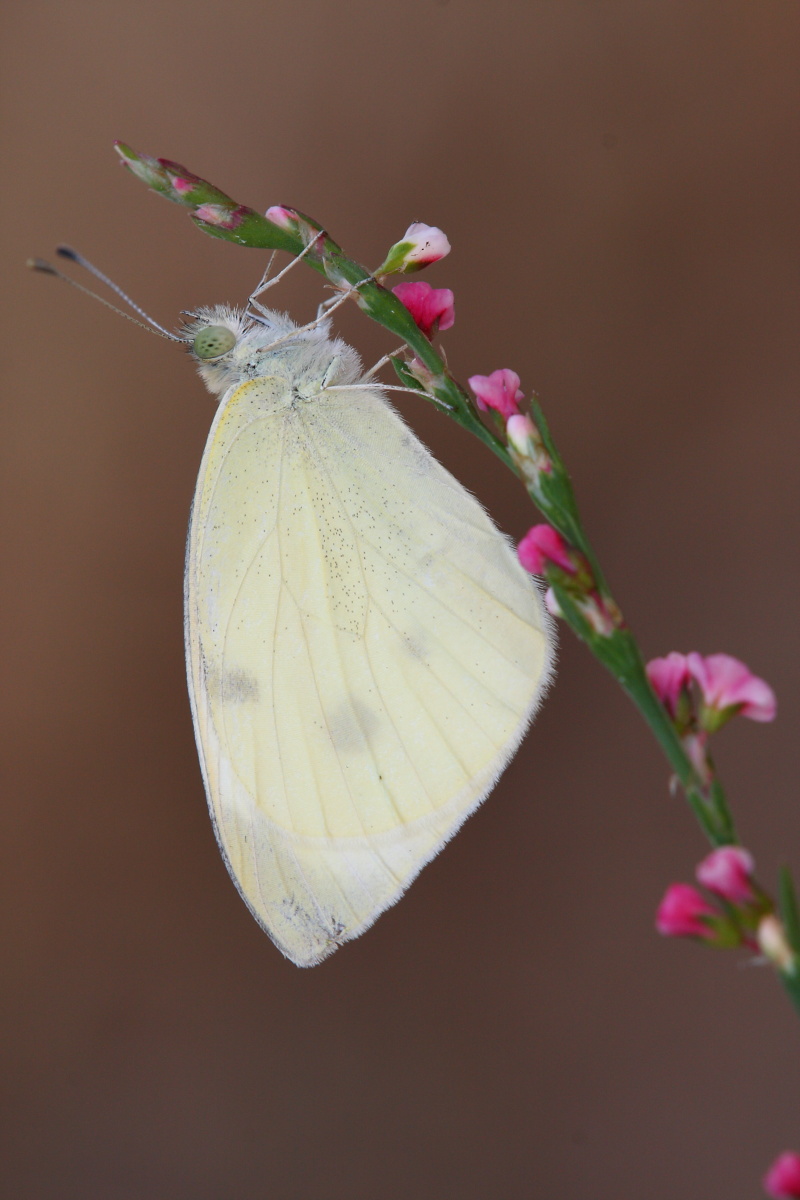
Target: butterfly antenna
{"points": [[76, 257], [39, 264]]}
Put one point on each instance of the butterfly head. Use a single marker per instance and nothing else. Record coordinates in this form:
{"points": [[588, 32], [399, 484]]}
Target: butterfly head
{"points": [[230, 346]]}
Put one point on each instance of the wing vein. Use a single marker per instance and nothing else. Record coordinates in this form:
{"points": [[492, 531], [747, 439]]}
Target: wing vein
{"points": [[356, 540]]}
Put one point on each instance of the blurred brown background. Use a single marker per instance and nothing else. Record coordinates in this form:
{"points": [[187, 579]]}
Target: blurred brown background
{"points": [[620, 182]]}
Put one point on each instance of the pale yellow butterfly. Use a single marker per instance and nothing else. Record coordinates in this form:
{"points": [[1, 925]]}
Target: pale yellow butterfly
{"points": [[364, 650]]}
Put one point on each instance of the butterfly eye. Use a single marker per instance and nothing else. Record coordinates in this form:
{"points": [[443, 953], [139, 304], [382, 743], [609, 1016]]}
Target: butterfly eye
{"points": [[213, 341]]}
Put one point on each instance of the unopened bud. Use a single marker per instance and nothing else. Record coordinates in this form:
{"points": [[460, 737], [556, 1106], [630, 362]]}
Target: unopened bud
{"points": [[601, 613], [420, 245], [527, 448], [774, 944], [220, 215]]}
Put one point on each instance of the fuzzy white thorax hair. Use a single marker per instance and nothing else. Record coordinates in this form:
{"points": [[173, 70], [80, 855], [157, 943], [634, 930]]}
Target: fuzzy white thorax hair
{"points": [[304, 360]]}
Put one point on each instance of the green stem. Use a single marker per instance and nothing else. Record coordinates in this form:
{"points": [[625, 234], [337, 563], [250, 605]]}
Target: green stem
{"points": [[791, 983], [550, 489], [218, 215]]}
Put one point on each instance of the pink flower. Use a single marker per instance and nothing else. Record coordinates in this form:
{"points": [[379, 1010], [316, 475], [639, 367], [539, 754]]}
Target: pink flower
{"points": [[543, 544], [782, 1180], [499, 391], [728, 872], [683, 912], [182, 185], [669, 677], [419, 246], [431, 308], [727, 683]]}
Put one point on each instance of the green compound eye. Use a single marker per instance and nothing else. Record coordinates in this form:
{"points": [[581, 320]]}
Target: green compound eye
{"points": [[213, 342]]}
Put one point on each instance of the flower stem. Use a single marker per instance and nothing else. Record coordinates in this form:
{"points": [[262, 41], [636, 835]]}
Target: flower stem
{"points": [[218, 215]]}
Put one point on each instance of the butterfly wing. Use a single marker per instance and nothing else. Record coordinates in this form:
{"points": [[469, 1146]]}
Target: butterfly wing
{"points": [[364, 655]]}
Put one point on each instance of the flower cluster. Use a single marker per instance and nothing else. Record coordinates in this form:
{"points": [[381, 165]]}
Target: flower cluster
{"points": [[543, 551], [738, 914], [702, 693], [210, 205], [739, 905], [726, 687]]}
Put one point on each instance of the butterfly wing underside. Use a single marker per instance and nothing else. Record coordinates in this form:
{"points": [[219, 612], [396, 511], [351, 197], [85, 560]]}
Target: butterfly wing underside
{"points": [[364, 654]]}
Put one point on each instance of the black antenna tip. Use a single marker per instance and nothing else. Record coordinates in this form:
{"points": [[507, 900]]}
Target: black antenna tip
{"points": [[68, 252], [39, 264]]}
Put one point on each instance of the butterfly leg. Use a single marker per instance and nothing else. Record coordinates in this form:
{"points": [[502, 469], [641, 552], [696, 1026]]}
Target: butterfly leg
{"points": [[338, 301], [265, 282], [387, 358]]}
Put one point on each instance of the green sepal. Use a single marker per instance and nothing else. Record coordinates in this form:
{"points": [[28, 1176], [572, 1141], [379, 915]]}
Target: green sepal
{"points": [[406, 377], [393, 263]]}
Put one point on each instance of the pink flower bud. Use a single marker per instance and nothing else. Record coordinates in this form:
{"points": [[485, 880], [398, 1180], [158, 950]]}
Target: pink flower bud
{"points": [[782, 1180], [551, 604], [543, 544], [500, 391], [431, 308], [727, 683], [419, 246], [520, 432], [774, 944], [669, 677], [527, 449], [602, 616], [220, 215], [428, 241], [285, 218], [423, 375], [728, 873], [684, 912], [696, 747]]}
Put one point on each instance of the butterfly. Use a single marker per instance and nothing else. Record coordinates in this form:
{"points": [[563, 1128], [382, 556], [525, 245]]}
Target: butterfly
{"points": [[364, 650]]}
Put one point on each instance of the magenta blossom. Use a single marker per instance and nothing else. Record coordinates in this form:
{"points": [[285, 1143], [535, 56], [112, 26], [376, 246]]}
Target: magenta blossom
{"points": [[728, 872], [726, 683], [683, 912], [543, 544], [500, 391], [782, 1180], [669, 678], [431, 308]]}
